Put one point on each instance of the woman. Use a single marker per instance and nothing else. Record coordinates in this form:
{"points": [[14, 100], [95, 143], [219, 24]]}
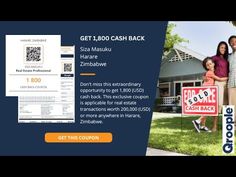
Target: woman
{"points": [[221, 70]]}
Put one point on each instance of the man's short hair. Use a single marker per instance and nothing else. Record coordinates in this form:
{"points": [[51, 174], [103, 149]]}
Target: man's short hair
{"points": [[231, 37]]}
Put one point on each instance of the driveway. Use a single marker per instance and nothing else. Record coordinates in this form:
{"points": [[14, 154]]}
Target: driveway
{"points": [[158, 152]]}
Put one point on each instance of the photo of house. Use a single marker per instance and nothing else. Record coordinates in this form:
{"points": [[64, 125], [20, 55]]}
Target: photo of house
{"points": [[187, 44], [181, 67]]}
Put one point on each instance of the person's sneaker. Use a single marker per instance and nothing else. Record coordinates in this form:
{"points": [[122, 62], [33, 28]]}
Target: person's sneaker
{"points": [[196, 125], [204, 128]]}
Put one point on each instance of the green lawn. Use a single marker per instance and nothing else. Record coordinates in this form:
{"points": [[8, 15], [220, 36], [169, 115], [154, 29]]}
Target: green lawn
{"points": [[166, 134]]}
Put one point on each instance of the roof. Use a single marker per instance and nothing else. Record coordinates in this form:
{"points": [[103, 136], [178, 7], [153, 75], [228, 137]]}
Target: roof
{"points": [[181, 67], [190, 52]]}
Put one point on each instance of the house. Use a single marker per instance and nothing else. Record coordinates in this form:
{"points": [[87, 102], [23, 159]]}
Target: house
{"points": [[181, 67]]}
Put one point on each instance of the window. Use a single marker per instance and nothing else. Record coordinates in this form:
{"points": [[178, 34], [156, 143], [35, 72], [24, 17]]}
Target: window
{"points": [[197, 84], [177, 89], [187, 83], [164, 89]]}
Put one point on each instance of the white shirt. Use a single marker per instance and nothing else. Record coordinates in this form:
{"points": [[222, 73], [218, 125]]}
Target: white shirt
{"points": [[232, 70]]}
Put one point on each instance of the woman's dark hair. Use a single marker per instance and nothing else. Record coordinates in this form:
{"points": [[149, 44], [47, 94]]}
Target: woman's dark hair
{"points": [[226, 50], [205, 61]]}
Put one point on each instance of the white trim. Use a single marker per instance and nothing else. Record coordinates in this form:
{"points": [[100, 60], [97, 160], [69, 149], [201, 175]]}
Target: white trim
{"points": [[165, 54], [177, 53], [185, 81], [197, 80], [190, 52]]}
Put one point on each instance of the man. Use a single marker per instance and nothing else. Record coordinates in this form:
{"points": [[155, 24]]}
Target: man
{"points": [[232, 74]]}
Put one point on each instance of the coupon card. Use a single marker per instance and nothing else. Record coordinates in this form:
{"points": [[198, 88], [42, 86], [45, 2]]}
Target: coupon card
{"points": [[33, 65]]}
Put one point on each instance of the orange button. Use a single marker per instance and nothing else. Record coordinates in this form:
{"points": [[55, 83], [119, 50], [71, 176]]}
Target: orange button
{"points": [[62, 137]]}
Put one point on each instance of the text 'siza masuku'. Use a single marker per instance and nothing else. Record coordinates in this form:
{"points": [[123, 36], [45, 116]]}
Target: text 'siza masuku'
{"points": [[228, 129]]}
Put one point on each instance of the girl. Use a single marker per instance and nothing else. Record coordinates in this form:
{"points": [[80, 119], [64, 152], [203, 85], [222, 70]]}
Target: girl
{"points": [[208, 65]]}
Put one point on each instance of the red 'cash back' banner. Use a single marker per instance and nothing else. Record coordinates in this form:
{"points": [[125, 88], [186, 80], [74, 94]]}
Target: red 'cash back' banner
{"points": [[200, 100]]}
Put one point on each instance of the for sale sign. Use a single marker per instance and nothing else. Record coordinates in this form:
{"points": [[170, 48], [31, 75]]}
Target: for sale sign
{"points": [[200, 100]]}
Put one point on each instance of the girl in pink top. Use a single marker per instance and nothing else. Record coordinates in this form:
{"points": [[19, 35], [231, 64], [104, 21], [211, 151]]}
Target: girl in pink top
{"points": [[209, 76], [209, 65]]}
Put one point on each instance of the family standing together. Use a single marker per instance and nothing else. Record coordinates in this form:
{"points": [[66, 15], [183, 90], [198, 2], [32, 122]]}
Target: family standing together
{"points": [[220, 71]]}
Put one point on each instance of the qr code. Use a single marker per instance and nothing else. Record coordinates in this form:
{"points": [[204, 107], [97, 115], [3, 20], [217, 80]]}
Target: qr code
{"points": [[67, 67], [33, 54]]}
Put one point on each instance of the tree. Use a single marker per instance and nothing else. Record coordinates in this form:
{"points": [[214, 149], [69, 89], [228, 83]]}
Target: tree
{"points": [[172, 39], [233, 22]]}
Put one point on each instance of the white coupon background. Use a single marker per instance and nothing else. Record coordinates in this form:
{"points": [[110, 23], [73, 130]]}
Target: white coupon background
{"points": [[15, 59]]}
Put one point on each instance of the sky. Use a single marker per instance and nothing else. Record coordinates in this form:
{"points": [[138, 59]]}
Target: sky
{"points": [[204, 36]]}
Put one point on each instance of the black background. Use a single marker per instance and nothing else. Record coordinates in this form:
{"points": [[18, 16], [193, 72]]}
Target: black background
{"points": [[120, 10], [167, 10]]}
